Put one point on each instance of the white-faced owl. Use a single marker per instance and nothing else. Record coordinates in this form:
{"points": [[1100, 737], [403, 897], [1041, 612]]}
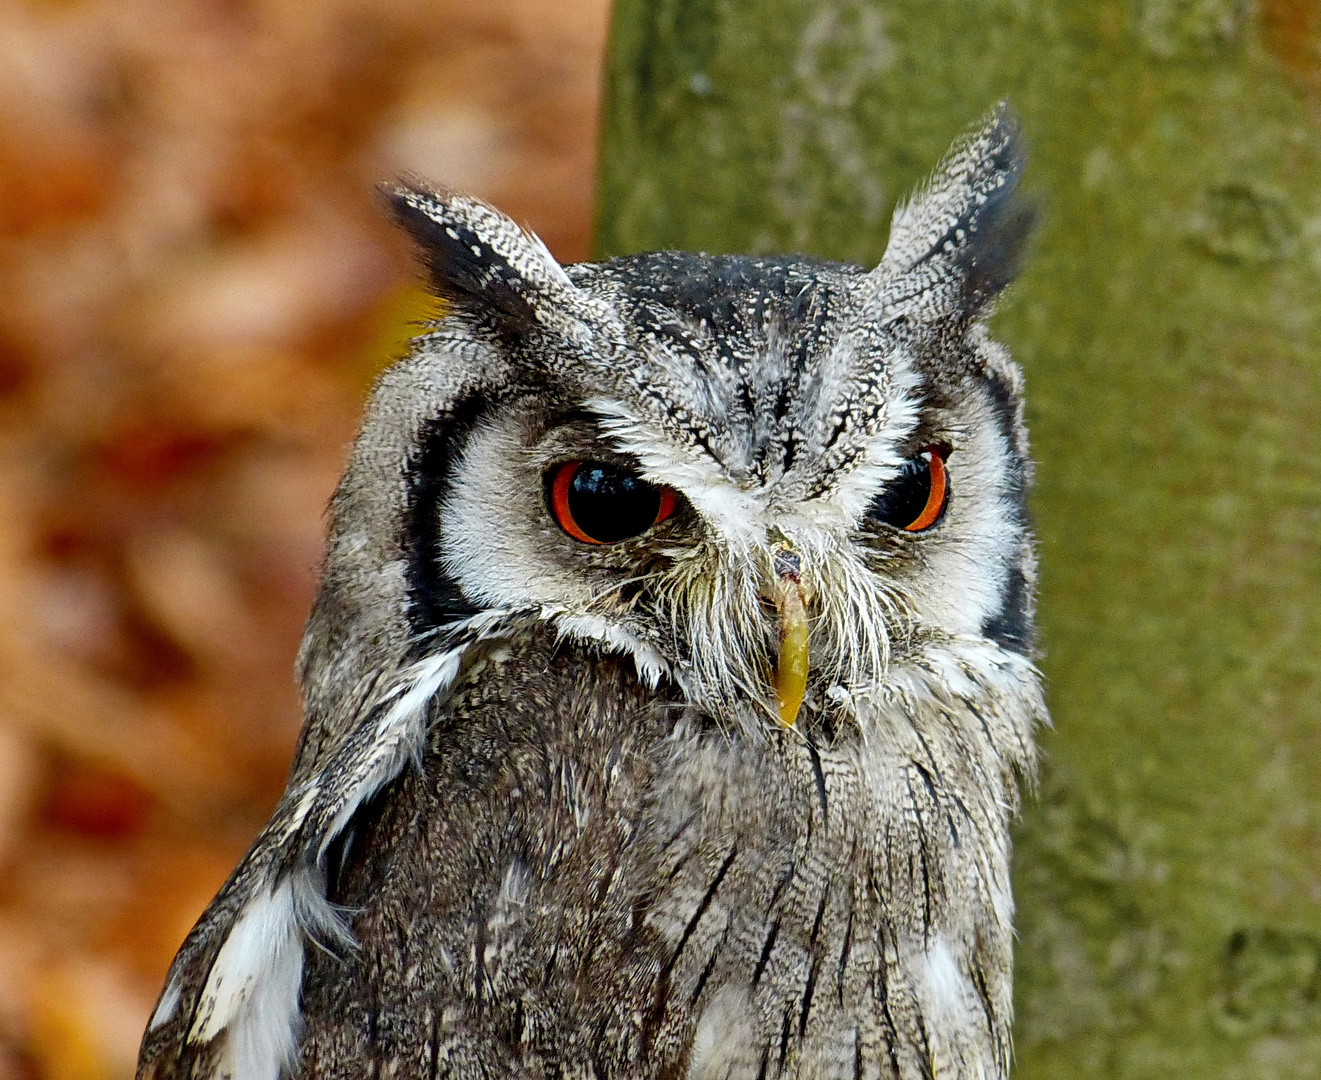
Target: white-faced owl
{"points": [[669, 685]]}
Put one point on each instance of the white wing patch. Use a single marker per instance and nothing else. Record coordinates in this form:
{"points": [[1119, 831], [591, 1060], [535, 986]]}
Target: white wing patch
{"points": [[251, 994], [168, 1003], [252, 991], [397, 736]]}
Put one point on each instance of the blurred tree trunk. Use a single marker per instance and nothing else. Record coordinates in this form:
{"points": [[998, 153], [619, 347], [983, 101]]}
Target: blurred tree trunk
{"points": [[1169, 875]]}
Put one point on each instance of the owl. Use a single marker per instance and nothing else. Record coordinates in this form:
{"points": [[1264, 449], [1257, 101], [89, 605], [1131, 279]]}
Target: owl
{"points": [[669, 686]]}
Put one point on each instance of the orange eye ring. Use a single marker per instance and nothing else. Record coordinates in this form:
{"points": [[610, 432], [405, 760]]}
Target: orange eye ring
{"points": [[936, 496], [559, 501], [666, 505], [561, 488]]}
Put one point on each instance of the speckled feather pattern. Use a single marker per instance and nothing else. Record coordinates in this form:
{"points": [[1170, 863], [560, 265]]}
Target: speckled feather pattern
{"points": [[619, 891], [542, 821]]}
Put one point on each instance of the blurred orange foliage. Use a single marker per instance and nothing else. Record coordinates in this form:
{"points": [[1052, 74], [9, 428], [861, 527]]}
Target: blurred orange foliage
{"points": [[198, 287]]}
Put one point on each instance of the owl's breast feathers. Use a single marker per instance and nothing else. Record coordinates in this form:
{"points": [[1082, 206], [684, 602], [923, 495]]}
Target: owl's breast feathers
{"points": [[575, 880], [575, 883]]}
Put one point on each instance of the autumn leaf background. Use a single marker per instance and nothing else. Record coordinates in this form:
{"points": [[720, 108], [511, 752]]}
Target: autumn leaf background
{"points": [[198, 286]]}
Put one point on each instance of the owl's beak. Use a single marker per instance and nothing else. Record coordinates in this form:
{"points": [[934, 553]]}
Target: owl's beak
{"points": [[792, 663]]}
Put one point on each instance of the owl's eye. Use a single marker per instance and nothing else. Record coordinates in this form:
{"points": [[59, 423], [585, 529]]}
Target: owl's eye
{"points": [[599, 503], [915, 499]]}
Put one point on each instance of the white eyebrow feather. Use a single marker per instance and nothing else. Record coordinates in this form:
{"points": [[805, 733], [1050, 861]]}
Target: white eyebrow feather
{"points": [[736, 512], [251, 995]]}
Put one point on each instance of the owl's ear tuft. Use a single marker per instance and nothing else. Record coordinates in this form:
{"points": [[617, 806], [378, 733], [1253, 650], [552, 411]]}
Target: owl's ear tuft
{"points": [[477, 259], [966, 226]]}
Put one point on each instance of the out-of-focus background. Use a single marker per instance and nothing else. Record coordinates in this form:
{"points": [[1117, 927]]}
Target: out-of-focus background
{"points": [[196, 288]]}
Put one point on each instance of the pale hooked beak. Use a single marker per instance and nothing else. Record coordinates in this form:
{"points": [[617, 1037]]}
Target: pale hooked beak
{"points": [[791, 665]]}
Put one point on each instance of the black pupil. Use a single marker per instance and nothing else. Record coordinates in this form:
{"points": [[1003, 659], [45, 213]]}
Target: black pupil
{"points": [[610, 504], [903, 501]]}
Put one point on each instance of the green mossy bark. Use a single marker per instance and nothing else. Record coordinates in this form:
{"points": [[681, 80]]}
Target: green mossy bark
{"points": [[1169, 321]]}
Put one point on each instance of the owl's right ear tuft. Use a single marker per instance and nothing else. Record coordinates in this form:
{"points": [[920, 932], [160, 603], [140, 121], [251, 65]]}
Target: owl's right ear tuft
{"points": [[477, 259]]}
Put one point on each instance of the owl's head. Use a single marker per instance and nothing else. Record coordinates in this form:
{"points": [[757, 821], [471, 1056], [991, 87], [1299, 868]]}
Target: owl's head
{"points": [[769, 481]]}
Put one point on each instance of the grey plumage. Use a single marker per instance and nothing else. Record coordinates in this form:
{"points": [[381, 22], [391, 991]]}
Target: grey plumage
{"points": [[543, 819]]}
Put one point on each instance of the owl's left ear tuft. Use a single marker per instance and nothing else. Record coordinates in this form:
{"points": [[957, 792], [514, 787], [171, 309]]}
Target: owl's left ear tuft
{"points": [[477, 259], [966, 227], [1002, 224]]}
